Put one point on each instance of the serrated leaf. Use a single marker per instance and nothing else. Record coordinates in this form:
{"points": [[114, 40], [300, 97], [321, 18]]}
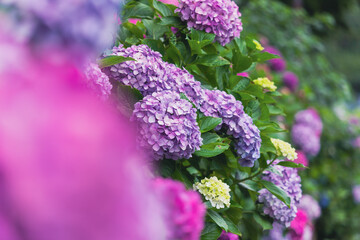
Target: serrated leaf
{"points": [[219, 220], [137, 10], [162, 8], [154, 29], [210, 138], [291, 164], [233, 228], [171, 21], [211, 231], [208, 123], [277, 192], [113, 60]]}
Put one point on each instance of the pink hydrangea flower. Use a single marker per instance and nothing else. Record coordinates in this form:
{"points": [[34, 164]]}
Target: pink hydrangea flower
{"points": [[243, 74], [298, 225], [184, 210]]}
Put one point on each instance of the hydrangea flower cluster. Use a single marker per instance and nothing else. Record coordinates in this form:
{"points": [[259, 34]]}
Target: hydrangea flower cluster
{"points": [[310, 206], [89, 25], [149, 73], [184, 210], [307, 130], [97, 80], [237, 123], [215, 191], [167, 126], [221, 17], [301, 159], [284, 149], [265, 83], [356, 193], [276, 64], [291, 81], [228, 236], [289, 182], [298, 225]]}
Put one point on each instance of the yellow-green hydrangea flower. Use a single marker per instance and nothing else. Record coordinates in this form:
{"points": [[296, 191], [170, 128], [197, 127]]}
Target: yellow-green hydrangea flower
{"points": [[265, 83], [284, 149], [215, 191], [258, 45]]}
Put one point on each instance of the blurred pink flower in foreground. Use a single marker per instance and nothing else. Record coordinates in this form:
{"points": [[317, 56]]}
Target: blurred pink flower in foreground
{"points": [[301, 159], [69, 169], [173, 2]]}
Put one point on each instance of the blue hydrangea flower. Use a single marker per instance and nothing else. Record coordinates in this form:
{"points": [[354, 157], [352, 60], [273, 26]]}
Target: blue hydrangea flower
{"points": [[167, 126], [290, 182], [221, 17]]}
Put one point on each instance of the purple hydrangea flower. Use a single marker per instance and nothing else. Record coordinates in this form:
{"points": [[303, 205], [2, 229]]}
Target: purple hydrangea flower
{"points": [[311, 118], [310, 206], [277, 233], [184, 210], [149, 73], [276, 64], [167, 126], [356, 193], [306, 139], [221, 17], [291, 81], [290, 182], [228, 236], [86, 26], [236, 122], [98, 81]]}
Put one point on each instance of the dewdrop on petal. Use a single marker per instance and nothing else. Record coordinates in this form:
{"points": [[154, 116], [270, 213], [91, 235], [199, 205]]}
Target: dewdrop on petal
{"points": [[265, 83], [214, 190], [284, 149], [258, 45]]}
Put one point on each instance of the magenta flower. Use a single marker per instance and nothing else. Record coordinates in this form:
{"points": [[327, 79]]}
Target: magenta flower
{"points": [[184, 210], [301, 158], [221, 17], [291, 81], [310, 206], [228, 236], [244, 74], [276, 64], [71, 169], [298, 225]]}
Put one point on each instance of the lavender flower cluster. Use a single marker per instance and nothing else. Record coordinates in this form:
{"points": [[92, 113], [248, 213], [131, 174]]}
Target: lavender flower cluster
{"points": [[306, 131], [150, 74], [97, 81], [221, 17], [276, 64], [184, 210], [88, 25], [290, 182], [167, 126], [236, 122]]}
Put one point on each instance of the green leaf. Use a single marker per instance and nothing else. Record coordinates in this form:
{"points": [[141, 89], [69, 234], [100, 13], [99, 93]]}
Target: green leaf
{"points": [[240, 62], [291, 164], [277, 192], [193, 171], [211, 231], [238, 83], [164, 10], [210, 138], [182, 176], [113, 60], [212, 149], [212, 61], [155, 45], [208, 123], [201, 35], [219, 220], [233, 228], [137, 10], [171, 21], [250, 185], [154, 28], [133, 29], [264, 222], [166, 167], [174, 54], [263, 56]]}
